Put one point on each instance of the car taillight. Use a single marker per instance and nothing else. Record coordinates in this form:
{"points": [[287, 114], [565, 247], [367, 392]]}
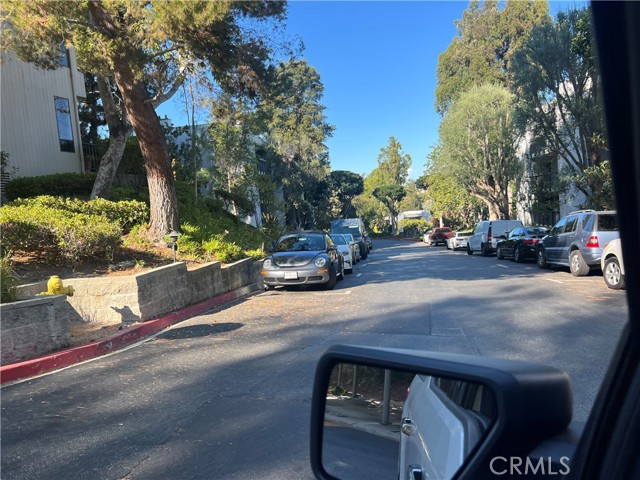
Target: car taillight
{"points": [[530, 241], [593, 242]]}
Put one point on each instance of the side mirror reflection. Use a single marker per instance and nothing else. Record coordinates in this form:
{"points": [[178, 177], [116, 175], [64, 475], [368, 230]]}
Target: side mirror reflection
{"points": [[382, 423]]}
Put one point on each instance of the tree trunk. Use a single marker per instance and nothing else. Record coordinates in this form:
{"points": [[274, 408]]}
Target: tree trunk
{"points": [[119, 132], [145, 122]]}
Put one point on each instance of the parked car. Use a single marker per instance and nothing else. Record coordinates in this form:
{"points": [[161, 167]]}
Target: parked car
{"points": [[521, 243], [439, 236], [445, 416], [302, 258], [355, 247], [613, 265], [577, 241], [458, 240], [488, 233], [426, 237], [355, 227], [344, 248]]}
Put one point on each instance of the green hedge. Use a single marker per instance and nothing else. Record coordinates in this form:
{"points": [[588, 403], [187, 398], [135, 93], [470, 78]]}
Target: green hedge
{"points": [[413, 227], [125, 213], [41, 230], [8, 281], [60, 184]]}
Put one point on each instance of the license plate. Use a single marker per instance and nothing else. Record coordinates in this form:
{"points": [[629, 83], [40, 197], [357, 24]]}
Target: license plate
{"points": [[290, 275]]}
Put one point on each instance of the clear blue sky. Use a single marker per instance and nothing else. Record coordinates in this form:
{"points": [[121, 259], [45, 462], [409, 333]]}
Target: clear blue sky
{"points": [[377, 61]]}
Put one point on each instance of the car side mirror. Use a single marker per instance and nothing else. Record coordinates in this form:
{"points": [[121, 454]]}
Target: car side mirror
{"points": [[387, 413]]}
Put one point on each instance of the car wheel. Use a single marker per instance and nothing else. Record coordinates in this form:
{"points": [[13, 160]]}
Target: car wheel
{"points": [[499, 253], [333, 278], [469, 251], [613, 276], [517, 255], [484, 250], [541, 259], [577, 265]]}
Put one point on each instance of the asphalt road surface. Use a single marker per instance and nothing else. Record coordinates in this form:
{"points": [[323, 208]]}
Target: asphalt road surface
{"points": [[227, 394]]}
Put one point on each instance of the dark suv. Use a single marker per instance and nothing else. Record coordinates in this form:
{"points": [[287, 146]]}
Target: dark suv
{"points": [[577, 240]]}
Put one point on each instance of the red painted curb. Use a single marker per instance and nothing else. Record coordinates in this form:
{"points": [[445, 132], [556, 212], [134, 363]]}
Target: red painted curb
{"points": [[64, 358]]}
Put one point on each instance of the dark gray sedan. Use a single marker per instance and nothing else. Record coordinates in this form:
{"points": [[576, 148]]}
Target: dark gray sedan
{"points": [[303, 258]]}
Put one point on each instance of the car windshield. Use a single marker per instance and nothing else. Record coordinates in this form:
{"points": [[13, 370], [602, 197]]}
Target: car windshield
{"points": [[260, 135], [351, 229], [300, 243], [338, 240]]}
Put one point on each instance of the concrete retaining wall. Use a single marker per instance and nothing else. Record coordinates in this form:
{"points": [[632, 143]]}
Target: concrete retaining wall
{"points": [[31, 328], [130, 299], [40, 325]]}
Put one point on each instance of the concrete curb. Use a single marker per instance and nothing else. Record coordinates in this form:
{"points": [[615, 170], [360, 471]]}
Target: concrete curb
{"points": [[404, 239], [65, 358]]}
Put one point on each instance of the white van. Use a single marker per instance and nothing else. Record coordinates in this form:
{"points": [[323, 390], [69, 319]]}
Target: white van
{"points": [[487, 234]]}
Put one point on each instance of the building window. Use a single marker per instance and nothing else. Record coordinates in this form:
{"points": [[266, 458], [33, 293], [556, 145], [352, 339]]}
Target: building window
{"points": [[63, 59], [65, 130]]}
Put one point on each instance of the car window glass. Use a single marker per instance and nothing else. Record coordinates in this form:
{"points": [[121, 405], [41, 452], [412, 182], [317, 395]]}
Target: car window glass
{"points": [[338, 240], [558, 228], [299, 243], [607, 223], [571, 225], [587, 222]]}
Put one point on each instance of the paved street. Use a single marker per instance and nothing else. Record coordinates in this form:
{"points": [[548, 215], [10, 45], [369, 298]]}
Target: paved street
{"points": [[227, 394]]}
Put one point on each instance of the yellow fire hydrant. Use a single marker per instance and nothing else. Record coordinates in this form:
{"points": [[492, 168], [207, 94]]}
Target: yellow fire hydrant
{"points": [[55, 287]]}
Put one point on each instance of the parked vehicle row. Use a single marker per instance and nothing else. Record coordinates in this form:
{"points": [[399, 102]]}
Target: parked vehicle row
{"points": [[310, 257], [583, 240]]}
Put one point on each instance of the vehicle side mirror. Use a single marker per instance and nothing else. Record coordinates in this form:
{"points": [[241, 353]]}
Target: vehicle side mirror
{"points": [[387, 413]]}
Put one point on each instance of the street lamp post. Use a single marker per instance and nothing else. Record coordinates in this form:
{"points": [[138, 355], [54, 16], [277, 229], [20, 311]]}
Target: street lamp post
{"points": [[174, 243]]}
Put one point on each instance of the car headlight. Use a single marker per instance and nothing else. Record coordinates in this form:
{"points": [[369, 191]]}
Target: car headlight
{"points": [[320, 262], [267, 263]]}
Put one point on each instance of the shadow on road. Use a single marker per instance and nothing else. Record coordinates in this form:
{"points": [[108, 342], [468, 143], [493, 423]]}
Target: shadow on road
{"points": [[197, 331]]}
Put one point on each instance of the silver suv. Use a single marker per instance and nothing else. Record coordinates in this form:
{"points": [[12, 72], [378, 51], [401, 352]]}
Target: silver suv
{"points": [[577, 240]]}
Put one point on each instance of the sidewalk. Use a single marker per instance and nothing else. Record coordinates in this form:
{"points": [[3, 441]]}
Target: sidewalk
{"points": [[362, 415], [128, 336]]}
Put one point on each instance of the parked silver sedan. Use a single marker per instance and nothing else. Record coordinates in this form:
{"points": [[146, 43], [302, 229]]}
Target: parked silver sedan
{"points": [[345, 249], [303, 258]]}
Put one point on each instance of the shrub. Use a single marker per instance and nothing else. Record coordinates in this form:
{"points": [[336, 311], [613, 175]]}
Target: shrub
{"points": [[38, 229], [413, 227], [8, 281], [125, 213], [60, 184], [257, 254]]}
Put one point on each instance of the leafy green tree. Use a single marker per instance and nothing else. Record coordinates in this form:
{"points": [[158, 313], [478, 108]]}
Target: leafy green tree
{"points": [[393, 164], [231, 130], [345, 186], [414, 198], [146, 47], [296, 129], [391, 196], [479, 141], [483, 49], [557, 84]]}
